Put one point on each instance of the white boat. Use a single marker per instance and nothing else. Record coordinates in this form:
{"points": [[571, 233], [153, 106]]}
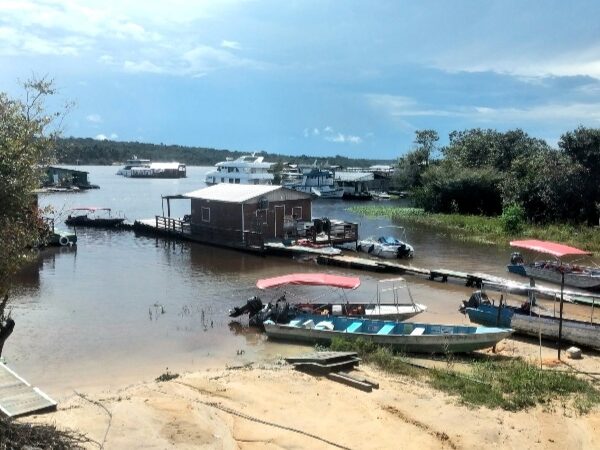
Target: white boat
{"points": [[388, 247], [317, 182], [144, 168], [378, 308], [247, 169], [132, 163], [576, 275]]}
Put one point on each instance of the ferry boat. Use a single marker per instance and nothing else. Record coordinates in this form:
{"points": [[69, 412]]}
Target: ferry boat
{"points": [[144, 168], [247, 169], [317, 182]]}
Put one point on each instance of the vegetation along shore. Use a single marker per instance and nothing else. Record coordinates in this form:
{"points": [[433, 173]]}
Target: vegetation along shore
{"points": [[487, 229]]}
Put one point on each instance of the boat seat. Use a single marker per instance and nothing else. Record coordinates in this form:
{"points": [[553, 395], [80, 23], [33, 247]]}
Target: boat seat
{"points": [[309, 324], [417, 331], [353, 327], [295, 323], [386, 328]]}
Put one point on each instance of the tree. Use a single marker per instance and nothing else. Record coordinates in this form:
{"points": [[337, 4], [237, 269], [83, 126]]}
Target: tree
{"points": [[27, 136], [583, 147], [412, 165]]}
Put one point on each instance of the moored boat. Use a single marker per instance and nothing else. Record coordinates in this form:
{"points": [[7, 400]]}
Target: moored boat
{"points": [[247, 169], [92, 217], [401, 336], [525, 320], [575, 275], [283, 311]]}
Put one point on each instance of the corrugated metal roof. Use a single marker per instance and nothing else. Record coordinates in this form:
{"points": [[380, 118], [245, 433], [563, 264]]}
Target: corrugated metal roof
{"points": [[235, 193], [353, 176]]}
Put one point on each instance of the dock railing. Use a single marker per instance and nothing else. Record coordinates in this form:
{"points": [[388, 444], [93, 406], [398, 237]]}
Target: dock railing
{"points": [[172, 225]]}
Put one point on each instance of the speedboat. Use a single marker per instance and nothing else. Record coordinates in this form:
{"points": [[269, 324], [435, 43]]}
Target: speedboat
{"points": [[92, 217], [283, 309], [386, 247]]}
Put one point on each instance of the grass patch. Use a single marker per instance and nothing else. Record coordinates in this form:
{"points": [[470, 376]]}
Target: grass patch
{"points": [[167, 376], [485, 229], [511, 384]]}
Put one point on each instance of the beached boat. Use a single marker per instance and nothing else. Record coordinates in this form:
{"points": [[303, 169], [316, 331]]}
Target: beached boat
{"points": [[528, 321], [401, 336], [247, 169], [575, 275], [92, 217], [283, 310]]}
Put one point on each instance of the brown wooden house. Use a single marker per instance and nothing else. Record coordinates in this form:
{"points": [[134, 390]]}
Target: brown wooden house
{"points": [[237, 213]]}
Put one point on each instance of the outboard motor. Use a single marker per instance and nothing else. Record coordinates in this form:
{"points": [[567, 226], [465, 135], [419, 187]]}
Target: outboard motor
{"points": [[477, 298], [253, 305], [516, 258]]}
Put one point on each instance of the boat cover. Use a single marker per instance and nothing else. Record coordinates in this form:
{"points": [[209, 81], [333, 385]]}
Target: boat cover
{"points": [[552, 248], [310, 279]]}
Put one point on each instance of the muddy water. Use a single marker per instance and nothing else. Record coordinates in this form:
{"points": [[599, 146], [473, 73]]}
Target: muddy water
{"points": [[120, 307]]}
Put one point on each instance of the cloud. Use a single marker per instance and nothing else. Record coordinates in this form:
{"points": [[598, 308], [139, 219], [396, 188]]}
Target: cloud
{"points": [[344, 138], [231, 44], [103, 137], [94, 118]]}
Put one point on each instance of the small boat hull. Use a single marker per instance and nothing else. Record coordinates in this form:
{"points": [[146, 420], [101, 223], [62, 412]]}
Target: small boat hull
{"points": [[574, 331], [84, 221], [579, 280], [401, 336]]}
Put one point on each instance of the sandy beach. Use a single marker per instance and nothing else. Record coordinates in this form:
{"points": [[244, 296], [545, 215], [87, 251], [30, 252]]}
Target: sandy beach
{"points": [[265, 404]]}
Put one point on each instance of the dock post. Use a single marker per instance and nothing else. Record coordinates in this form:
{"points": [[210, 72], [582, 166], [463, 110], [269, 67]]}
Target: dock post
{"points": [[562, 287]]}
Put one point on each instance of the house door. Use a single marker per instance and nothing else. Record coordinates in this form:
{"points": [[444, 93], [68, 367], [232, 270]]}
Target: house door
{"points": [[279, 213]]}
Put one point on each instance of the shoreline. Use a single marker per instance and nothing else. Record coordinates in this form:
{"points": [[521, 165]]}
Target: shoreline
{"points": [[267, 404]]}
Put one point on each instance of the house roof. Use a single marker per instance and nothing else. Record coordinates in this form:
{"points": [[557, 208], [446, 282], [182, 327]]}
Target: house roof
{"points": [[353, 176], [234, 193]]}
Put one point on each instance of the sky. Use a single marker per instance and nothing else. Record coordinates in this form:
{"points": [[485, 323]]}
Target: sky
{"points": [[323, 78]]}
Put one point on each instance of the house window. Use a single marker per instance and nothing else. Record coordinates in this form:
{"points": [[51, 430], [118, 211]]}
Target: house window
{"points": [[205, 214], [231, 180], [297, 212], [222, 180], [237, 181], [261, 215]]}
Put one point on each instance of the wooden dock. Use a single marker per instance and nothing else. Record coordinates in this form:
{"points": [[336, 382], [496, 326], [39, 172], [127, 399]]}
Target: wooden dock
{"points": [[18, 397]]}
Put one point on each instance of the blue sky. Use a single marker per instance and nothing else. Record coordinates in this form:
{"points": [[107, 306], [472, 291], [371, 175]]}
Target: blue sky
{"points": [[354, 78]]}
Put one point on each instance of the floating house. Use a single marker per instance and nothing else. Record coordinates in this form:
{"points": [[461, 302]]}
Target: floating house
{"points": [[61, 177], [249, 216], [355, 184]]}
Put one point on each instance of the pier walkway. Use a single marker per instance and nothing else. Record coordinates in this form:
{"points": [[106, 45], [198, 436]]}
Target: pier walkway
{"points": [[18, 397]]}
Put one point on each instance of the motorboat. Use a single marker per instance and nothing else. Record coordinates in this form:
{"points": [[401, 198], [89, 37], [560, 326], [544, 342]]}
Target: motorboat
{"points": [[144, 168], [386, 246], [528, 320], [553, 270], [406, 337], [92, 217], [247, 169], [317, 182], [283, 310]]}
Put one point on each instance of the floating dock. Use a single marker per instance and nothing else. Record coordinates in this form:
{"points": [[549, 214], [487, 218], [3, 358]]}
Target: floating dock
{"points": [[18, 397]]}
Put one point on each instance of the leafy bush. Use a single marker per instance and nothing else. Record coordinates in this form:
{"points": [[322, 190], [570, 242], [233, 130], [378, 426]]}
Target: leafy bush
{"points": [[513, 219]]}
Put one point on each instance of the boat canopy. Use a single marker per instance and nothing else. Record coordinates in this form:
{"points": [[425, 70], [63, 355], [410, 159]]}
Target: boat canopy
{"points": [[90, 208], [310, 279], [552, 248]]}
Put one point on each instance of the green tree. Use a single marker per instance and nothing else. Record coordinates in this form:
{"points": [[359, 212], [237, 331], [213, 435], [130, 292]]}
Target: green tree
{"points": [[412, 165], [27, 136], [583, 147]]}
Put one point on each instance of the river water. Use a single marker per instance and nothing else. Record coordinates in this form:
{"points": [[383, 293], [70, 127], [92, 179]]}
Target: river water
{"points": [[120, 308]]}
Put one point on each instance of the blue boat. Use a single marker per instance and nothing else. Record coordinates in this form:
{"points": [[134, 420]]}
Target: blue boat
{"points": [[401, 336], [530, 323]]}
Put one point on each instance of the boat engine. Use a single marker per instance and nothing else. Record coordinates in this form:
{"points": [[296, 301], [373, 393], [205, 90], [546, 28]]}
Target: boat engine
{"points": [[477, 298]]}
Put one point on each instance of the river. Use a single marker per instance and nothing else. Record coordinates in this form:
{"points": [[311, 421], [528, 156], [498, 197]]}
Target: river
{"points": [[120, 308]]}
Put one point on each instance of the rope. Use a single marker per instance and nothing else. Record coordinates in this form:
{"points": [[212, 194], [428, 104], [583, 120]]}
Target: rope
{"points": [[101, 445], [261, 421]]}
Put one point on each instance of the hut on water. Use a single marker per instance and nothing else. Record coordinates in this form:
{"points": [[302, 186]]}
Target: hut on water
{"points": [[238, 214]]}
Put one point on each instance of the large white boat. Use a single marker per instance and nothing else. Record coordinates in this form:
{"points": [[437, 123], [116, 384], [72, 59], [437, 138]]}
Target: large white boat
{"points": [[317, 182], [144, 168], [248, 169]]}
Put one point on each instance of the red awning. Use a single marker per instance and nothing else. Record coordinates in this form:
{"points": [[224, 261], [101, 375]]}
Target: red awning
{"points": [[552, 248], [310, 279]]}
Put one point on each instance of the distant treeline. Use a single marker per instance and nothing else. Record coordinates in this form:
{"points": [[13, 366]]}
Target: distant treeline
{"points": [[487, 172], [94, 152]]}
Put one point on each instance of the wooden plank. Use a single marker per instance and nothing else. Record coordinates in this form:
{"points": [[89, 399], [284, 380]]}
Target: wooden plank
{"points": [[322, 357], [350, 381], [361, 379], [18, 397]]}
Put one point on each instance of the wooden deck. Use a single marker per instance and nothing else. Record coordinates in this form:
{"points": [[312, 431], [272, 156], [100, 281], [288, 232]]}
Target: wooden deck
{"points": [[18, 397]]}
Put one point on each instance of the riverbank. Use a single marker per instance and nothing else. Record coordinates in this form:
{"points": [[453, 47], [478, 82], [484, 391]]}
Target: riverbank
{"points": [[483, 229], [267, 404]]}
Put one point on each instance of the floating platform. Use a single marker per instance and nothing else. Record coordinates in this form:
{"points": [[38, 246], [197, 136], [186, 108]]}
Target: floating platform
{"points": [[18, 397]]}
